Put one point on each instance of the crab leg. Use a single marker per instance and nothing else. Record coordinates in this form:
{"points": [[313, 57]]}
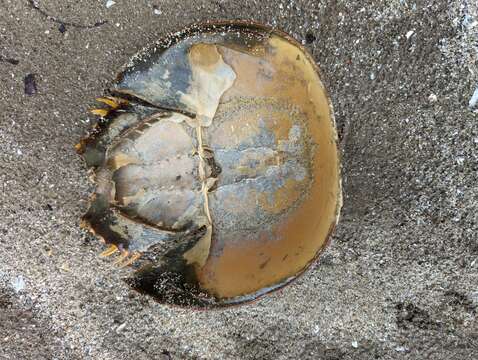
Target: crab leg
{"points": [[100, 112], [124, 255], [135, 256], [114, 103], [110, 251]]}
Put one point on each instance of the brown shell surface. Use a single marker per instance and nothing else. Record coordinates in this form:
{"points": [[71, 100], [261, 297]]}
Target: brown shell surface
{"points": [[216, 164]]}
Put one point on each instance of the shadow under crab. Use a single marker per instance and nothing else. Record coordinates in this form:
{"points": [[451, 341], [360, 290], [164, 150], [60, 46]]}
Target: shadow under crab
{"points": [[216, 165]]}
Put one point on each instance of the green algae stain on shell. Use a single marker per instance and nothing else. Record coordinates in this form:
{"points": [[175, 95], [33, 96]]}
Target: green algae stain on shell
{"points": [[216, 165]]}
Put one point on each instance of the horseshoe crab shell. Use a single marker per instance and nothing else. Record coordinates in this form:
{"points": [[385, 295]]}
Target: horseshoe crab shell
{"points": [[216, 165]]}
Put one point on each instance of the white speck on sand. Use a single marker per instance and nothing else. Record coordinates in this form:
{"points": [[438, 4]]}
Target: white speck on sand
{"points": [[120, 328], [18, 284], [474, 99]]}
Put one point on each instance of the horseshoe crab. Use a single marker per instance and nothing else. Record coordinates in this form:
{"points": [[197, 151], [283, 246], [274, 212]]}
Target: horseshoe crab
{"points": [[216, 165]]}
